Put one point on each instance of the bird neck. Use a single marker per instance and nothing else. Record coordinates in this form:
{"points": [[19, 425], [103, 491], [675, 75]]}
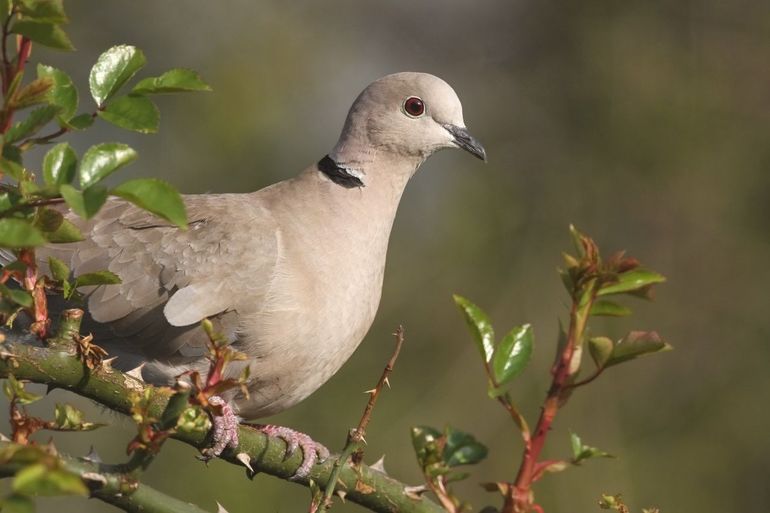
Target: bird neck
{"points": [[343, 176], [352, 167]]}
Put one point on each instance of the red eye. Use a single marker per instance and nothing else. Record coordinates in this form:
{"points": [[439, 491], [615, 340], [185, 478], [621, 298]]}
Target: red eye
{"points": [[414, 106]]}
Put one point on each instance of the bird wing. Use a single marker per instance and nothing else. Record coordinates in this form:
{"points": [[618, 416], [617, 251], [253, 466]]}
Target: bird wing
{"points": [[171, 279]]}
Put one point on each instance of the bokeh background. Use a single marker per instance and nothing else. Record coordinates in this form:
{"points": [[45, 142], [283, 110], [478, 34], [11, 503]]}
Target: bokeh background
{"points": [[645, 123]]}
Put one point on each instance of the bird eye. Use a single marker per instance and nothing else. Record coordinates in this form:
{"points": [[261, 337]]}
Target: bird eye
{"points": [[414, 106]]}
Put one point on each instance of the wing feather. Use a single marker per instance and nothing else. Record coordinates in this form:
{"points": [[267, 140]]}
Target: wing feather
{"points": [[171, 279]]}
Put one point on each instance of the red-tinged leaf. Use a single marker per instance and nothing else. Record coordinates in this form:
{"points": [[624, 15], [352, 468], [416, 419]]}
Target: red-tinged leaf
{"points": [[600, 349], [609, 308], [636, 344], [631, 281]]}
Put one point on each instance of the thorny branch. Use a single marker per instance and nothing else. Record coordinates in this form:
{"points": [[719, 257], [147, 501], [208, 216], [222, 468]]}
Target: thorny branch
{"points": [[58, 369], [354, 446]]}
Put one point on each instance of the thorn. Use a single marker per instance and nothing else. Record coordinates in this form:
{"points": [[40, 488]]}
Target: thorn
{"points": [[379, 465], [92, 456], [387, 381], [221, 509], [341, 494], [107, 364], [245, 459], [136, 372], [51, 447], [372, 391], [94, 476], [415, 492]]}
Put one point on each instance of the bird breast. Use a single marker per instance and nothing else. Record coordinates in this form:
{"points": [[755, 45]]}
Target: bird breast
{"points": [[320, 302]]}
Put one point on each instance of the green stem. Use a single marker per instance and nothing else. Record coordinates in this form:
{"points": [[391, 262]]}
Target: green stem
{"points": [[69, 328], [107, 484], [351, 446]]}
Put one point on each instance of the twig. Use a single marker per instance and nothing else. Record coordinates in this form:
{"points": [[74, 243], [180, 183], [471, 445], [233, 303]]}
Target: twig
{"points": [[585, 381], [360, 432], [110, 387], [6, 61], [354, 447], [44, 139], [517, 417], [518, 498]]}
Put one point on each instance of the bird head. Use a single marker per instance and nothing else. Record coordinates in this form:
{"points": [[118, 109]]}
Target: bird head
{"points": [[407, 114]]}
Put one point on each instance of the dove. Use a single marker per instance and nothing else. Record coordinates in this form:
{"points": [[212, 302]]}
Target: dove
{"points": [[291, 274]]}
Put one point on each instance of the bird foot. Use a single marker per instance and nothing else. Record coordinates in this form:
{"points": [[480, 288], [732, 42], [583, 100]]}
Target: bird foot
{"points": [[224, 432], [312, 451]]}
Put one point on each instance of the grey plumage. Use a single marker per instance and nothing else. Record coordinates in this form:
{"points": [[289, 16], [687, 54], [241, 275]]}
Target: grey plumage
{"points": [[292, 273]]}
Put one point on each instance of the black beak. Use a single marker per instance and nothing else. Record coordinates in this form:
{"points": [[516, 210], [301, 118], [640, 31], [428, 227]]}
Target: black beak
{"points": [[466, 141]]}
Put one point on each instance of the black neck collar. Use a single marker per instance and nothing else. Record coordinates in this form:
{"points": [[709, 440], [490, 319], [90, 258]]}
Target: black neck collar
{"points": [[338, 174]]}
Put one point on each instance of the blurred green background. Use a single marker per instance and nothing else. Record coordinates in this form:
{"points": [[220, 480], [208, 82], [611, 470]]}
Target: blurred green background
{"points": [[645, 123]]}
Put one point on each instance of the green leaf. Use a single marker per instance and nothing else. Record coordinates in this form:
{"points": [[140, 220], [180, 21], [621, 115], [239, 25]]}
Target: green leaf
{"points": [[462, 448], [636, 344], [425, 441], [600, 349], [59, 165], [96, 278], [177, 404], [20, 297], [512, 354], [576, 444], [69, 418], [63, 92], [36, 120], [59, 270], [113, 69], [479, 325], [33, 93], [11, 152], [38, 479], [51, 11], [609, 308], [66, 232], [48, 219], [561, 342], [155, 196], [86, 203], [79, 122], [5, 10], [632, 280], [47, 34], [132, 112], [581, 452], [173, 81], [15, 233], [577, 241], [16, 503], [567, 280], [12, 169], [555, 466], [13, 388], [101, 160], [29, 188], [9, 199]]}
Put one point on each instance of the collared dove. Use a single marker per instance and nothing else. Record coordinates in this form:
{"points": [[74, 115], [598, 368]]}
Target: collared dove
{"points": [[291, 273]]}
